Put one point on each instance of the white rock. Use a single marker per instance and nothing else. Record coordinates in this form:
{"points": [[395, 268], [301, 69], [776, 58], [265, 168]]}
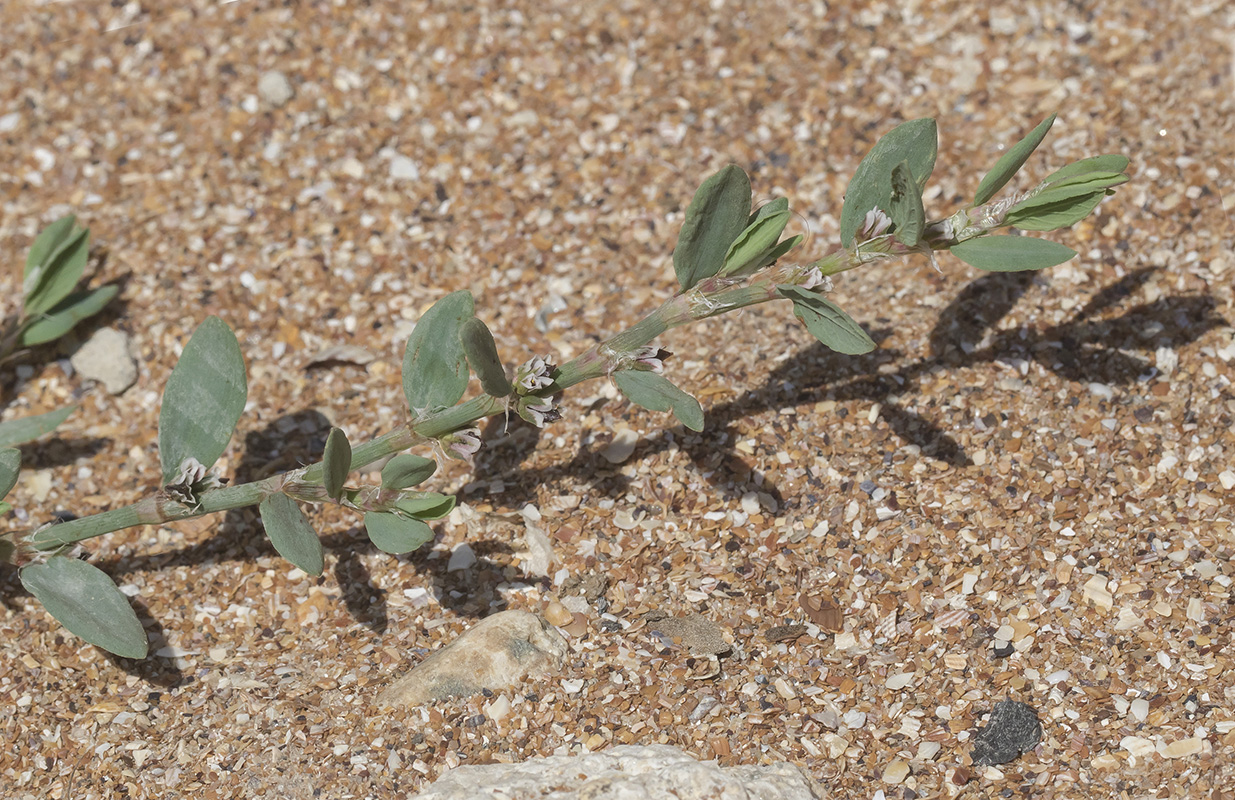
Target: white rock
{"points": [[403, 168], [10, 121], [106, 358], [626, 772], [622, 446], [461, 557], [274, 88], [499, 651]]}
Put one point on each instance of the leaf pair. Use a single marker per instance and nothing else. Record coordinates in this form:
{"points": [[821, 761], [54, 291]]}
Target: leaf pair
{"points": [[1066, 197], [445, 340], [759, 244], [404, 529], [54, 266]]}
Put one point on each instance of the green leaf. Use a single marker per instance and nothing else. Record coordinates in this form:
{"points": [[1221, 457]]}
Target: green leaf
{"points": [[54, 265], [908, 216], [336, 463], [1011, 162], [481, 353], [778, 252], [716, 216], [27, 429], [434, 364], [204, 398], [67, 313], [1011, 253], [1063, 214], [407, 470], [4, 509], [85, 600], [291, 534], [914, 142], [391, 533], [826, 322], [10, 465], [1106, 163], [656, 393], [753, 245], [426, 505]]}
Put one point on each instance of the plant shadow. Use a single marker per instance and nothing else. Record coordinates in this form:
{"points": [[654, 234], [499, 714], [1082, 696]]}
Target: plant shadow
{"points": [[1094, 345]]}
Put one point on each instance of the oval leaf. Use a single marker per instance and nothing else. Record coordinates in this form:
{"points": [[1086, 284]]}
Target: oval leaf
{"points": [[482, 354], [1011, 162], [393, 534], [85, 600], [427, 505], [1011, 253], [906, 210], [291, 534], [70, 311], [204, 397], [50, 239], [434, 364], [406, 470], [1106, 163], [915, 142], [826, 322], [10, 465], [716, 216], [51, 280], [27, 429], [336, 463], [656, 393]]}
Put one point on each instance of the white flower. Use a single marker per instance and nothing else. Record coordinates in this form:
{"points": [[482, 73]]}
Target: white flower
{"points": [[534, 375], [653, 358], [815, 279], [190, 480], [875, 224]]}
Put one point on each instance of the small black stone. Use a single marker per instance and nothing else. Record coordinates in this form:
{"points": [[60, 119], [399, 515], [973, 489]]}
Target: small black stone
{"points": [[1013, 729], [1003, 650]]}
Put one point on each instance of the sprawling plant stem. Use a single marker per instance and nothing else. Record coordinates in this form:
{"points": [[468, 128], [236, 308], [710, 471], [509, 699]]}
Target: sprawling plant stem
{"points": [[709, 298]]}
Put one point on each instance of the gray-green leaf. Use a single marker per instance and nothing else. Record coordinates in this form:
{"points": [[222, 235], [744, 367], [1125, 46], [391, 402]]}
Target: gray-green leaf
{"points": [[407, 470], [1011, 162], [908, 216], [716, 216], [481, 353], [1063, 214], [1105, 163], [757, 241], [426, 505], [10, 465], [204, 398], [1011, 253], [27, 429], [827, 322], [336, 463], [394, 534], [85, 600], [656, 393], [54, 265], [68, 312], [291, 534], [915, 142], [434, 364]]}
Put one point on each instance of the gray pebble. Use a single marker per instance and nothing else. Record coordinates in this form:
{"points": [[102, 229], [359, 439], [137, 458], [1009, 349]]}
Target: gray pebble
{"points": [[1013, 729], [274, 88]]}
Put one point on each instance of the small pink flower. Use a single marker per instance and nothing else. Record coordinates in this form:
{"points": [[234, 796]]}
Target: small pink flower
{"points": [[815, 279], [539, 410], [652, 358], [463, 444]]}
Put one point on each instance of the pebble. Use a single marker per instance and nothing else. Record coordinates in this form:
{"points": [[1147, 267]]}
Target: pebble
{"points": [[1227, 479], [622, 446], [1013, 729], [558, 614], [1183, 747], [274, 88], [107, 357], [499, 651], [461, 557], [403, 168], [895, 772], [10, 121]]}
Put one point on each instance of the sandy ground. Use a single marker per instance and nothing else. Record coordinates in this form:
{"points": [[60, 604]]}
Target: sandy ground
{"points": [[1039, 457]]}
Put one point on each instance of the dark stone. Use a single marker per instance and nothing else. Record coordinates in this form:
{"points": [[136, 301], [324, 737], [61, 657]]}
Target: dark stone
{"points": [[1013, 729]]}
